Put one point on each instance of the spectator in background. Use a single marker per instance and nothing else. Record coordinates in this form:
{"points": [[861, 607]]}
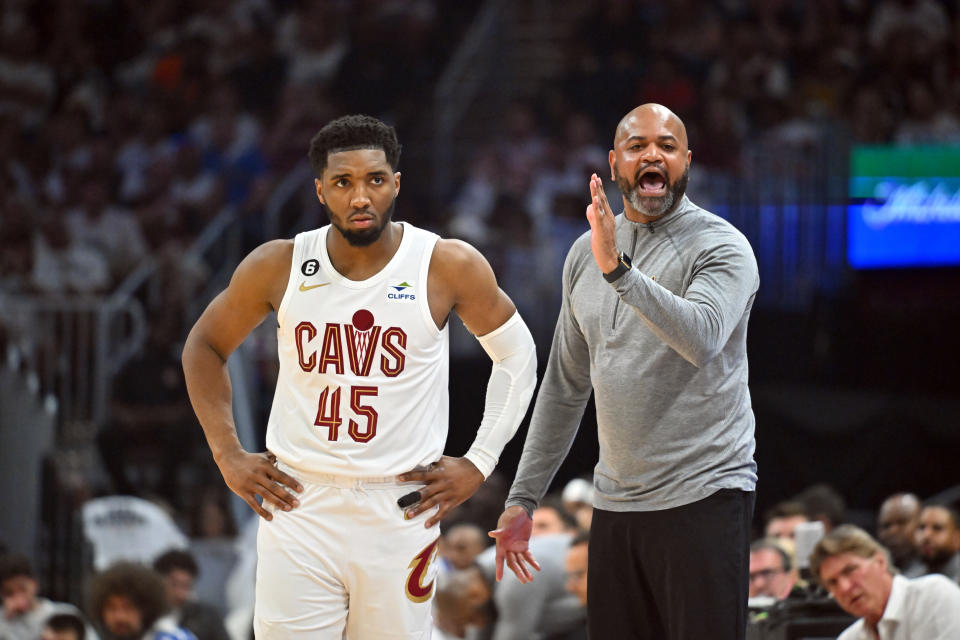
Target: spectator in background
{"points": [[461, 544], [926, 20], [772, 573], [926, 120], [213, 542], [179, 571], [783, 518], [857, 572], [897, 523], [462, 603], [576, 565], [24, 613], [938, 540], [551, 518], [61, 265], [128, 602], [151, 419], [824, 503], [64, 626], [101, 225], [27, 82], [577, 499]]}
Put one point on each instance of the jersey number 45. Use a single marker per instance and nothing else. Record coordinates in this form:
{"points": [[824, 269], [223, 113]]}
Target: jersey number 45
{"points": [[328, 413]]}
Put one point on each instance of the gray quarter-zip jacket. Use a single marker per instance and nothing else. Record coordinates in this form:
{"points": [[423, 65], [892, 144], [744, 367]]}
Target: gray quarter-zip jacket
{"points": [[664, 350]]}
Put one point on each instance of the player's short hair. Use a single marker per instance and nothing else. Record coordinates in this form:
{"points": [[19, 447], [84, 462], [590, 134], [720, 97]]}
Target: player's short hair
{"points": [[141, 585], [353, 132], [176, 559], [68, 622], [14, 565], [773, 545], [846, 538]]}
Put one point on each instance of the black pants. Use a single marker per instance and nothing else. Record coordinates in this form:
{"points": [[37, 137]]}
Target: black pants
{"points": [[676, 574]]}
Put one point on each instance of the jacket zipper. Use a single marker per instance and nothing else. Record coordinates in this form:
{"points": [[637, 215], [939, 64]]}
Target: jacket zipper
{"points": [[633, 252]]}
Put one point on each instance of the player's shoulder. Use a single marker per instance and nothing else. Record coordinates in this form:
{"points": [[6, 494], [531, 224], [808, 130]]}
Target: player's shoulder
{"points": [[268, 262], [454, 254], [271, 254]]}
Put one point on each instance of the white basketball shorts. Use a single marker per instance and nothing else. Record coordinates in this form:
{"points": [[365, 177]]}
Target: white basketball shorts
{"points": [[346, 563]]}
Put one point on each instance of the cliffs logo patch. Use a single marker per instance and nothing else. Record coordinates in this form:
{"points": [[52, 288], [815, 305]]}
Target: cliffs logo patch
{"points": [[402, 291]]}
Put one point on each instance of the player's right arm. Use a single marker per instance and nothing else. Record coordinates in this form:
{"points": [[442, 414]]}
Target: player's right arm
{"points": [[256, 288]]}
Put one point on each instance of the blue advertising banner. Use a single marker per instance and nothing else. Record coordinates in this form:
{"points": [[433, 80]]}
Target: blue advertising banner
{"points": [[904, 207]]}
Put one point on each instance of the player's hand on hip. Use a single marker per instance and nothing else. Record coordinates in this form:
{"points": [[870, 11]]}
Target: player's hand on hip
{"points": [[449, 481], [603, 228], [254, 474], [513, 543]]}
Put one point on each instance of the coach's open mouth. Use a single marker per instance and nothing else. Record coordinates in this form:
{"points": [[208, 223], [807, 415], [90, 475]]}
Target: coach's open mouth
{"points": [[653, 182]]}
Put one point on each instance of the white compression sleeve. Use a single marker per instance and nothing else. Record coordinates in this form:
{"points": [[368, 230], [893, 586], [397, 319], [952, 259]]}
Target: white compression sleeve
{"points": [[511, 384]]}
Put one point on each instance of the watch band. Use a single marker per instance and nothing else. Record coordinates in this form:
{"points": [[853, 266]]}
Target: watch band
{"points": [[623, 265]]}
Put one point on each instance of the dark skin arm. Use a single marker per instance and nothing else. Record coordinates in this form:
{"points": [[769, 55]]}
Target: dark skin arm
{"points": [[460, 280], [255, 290]]}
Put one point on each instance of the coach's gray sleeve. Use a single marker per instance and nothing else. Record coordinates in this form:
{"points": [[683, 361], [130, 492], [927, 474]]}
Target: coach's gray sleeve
{"points": [[698, 324], [559, 406]]}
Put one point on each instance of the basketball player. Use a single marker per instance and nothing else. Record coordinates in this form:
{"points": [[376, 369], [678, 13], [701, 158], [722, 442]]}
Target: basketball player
{"points": [[359, 418], [654, 323]]}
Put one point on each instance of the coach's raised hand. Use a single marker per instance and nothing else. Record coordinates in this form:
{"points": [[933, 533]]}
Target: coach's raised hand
{"points": [[449, 481], [603, 227], [253, 474]]}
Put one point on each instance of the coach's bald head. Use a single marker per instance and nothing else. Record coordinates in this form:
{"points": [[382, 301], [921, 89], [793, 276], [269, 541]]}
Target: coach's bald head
{"points": [[651, 113]]}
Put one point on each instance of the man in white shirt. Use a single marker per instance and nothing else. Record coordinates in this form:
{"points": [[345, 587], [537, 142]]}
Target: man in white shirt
{"points": [[857, 572]]}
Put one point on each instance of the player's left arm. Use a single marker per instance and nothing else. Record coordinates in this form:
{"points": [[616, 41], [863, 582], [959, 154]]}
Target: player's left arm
{"points": [[461, 279]]}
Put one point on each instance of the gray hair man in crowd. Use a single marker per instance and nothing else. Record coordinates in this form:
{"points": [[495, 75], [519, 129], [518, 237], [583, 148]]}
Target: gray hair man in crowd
{"points": [[857, 572]]}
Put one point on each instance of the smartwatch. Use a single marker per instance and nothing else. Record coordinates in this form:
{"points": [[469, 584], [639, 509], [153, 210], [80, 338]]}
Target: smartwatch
{"points": [[623, 265]]}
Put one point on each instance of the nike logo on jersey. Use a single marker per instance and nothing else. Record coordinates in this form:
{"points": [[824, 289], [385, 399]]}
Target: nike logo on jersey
{"points": [[305, 287]]}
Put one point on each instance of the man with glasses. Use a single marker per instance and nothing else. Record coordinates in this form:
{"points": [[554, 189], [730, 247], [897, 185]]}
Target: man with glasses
{"points": [[771, 570]]}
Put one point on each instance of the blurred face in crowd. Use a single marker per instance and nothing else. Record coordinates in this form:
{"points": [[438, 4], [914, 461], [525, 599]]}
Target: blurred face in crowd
{"points": [[58, 634], [937, 535], [358, 189], [576, 566], [767, 575], [462, 544], [121, 617], [897, 524], [546, 520], [179, 584], [860, 585], [19, 596], [650, 161], [784, 526]]}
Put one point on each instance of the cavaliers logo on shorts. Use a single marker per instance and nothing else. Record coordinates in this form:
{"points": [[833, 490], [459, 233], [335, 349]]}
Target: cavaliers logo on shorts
{"points": [[416, 590]]}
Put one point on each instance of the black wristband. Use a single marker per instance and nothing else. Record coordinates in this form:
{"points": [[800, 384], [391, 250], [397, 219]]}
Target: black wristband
{"points": [[623, 265]]}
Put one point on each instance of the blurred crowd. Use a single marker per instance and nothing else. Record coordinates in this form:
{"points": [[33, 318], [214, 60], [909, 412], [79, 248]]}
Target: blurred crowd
{"points": [[145, 588], [126, 128]]}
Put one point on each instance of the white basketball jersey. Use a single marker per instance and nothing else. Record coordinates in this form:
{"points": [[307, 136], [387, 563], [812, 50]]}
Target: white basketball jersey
{"points": [[362, 389]]}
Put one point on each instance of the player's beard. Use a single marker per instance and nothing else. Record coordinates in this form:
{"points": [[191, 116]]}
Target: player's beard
{"points": [[652, 206], [365, 237]]}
